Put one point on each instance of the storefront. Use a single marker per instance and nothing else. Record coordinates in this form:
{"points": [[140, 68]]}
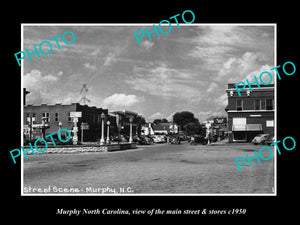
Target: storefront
{"points": [[245, 132], [250, 114]]}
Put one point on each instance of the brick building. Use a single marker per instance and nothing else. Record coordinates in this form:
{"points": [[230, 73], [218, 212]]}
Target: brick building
{"points": [[250, 114], [123, 122], [57, 116]]}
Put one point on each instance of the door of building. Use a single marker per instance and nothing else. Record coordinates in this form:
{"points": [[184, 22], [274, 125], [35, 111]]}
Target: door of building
{"points": [[239, 128]]}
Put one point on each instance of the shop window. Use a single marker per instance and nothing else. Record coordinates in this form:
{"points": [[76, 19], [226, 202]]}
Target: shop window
{"points": [[269, 104], [270, 123], [239, 105]]}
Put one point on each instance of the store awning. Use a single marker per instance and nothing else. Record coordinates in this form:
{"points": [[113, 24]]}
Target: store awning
{"points": [[225, 129], [239, 127], [247, 127], [254, 127]]}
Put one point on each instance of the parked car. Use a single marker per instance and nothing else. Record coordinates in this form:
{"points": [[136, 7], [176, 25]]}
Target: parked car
{"points": [[270, 140], [174, 139], [260, 139], [182, 136], [158, 138], [144, 140], [121, 138], [198, 139]]}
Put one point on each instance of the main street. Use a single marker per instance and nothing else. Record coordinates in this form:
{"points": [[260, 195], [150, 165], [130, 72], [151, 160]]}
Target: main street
{"points": [[152, 169]]}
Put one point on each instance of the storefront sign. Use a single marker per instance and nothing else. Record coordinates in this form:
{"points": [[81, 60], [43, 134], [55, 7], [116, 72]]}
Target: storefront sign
{"points": [[220, 120], [75, 114]]}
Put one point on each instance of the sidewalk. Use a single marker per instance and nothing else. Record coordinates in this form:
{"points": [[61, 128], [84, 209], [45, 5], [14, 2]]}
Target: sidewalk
{"points": [[222, 142]]}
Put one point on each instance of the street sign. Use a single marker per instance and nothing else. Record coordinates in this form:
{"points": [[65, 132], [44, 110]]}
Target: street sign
{"points": [[221, 120], [75, 129], [75, 114], [75, 119], [85, 126]]}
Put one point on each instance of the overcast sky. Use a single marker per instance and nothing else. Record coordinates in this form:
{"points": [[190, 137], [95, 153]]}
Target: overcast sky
{"points": [[186, 69]]}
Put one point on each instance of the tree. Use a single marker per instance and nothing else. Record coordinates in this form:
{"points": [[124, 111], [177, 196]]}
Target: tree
{"points": [[187, 122], [164, 120], [157, 121], [193, 128], [183, 118]]}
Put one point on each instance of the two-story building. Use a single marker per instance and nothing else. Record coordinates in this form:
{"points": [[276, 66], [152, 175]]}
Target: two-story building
{"points": [[123, 119], [57, 116], [251, 113]]}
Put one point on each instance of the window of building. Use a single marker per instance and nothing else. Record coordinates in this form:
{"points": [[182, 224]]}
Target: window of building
{"points": [[33, 118], [270, 123], [257, 104], [269, 104], [46, 115], [69, 117], [263, 104], [239, 105], [99, 118], [56, 117]]}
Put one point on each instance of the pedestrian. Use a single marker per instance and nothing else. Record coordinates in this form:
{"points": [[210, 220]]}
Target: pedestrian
{"points": [[208, 136]]}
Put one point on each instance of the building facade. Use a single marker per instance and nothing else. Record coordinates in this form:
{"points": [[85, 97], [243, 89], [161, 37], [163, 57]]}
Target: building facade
{"points": [[123, 120], [251, 113], [58, 116], [165, 128], [217, 127]]}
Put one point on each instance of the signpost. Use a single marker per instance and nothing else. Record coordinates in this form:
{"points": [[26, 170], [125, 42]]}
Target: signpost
{"points": [[220, 121], [75, 116]]}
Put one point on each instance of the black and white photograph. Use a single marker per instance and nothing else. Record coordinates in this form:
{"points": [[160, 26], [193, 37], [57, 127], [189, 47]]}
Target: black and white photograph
{"points": [[148, 109], [142, 110]]}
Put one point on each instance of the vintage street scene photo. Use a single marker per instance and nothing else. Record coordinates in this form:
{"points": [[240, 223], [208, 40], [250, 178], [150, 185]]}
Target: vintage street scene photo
{"points": [[148, 109]]}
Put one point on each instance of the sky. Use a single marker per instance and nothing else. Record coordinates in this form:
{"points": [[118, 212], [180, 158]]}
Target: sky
{"points": [[187, 69]]}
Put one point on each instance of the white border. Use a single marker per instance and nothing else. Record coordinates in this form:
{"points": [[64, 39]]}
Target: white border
{"points": [[151, 24]]}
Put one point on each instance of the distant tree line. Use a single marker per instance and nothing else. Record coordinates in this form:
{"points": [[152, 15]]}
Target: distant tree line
{"points": [[186, 121]]}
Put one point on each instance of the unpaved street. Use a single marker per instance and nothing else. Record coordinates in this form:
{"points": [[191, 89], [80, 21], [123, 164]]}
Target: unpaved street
{"points": [[154, 169]]}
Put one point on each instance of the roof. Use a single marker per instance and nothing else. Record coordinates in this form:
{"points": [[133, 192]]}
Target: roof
{"points": [[166, 124], [160, 127], [215, 116], [232, 85]]}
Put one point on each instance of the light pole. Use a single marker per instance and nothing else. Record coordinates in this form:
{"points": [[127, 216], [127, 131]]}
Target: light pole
{"points": [[81, 132], [102, 141], [130, 135], [107, 138]]}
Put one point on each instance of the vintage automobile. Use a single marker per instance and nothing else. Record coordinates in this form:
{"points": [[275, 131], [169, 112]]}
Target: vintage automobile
{"points": [[158, 138], [144, 140], [198, 139], [260, 139], [270, 140], [174, 139]]}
